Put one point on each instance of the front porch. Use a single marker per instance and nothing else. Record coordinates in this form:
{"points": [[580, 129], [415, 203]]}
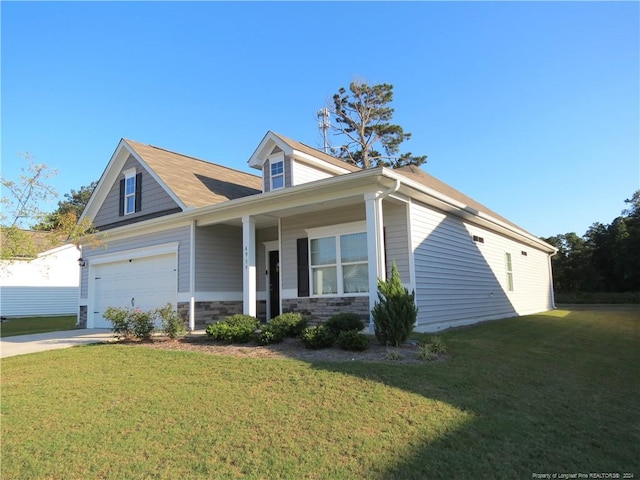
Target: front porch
{"points": [[253, 264]]}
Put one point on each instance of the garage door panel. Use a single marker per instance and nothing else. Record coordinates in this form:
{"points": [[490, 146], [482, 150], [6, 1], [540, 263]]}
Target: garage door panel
{"points": [[144, 283]]}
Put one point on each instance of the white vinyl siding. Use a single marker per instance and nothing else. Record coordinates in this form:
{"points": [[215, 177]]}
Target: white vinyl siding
{"points": [[460, 281], [303, 173], [33, 301]]}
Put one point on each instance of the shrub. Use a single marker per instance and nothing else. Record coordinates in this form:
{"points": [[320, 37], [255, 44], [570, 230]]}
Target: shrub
{"points": [[292, 323], [425, 353], [395, 312], [344, 322], [142, 324], [352, 340], [271, 333], [317, 336], [234, 329], [119, 318], [172, 324], [437, 345]]}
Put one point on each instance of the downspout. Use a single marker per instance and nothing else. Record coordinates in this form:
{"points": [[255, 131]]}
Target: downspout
{"points": [[192, 277], [553, 299], [381, 266]]}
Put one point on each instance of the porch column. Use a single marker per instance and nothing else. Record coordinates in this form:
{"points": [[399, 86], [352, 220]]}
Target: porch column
{"points": [[375, 247], [249, 270]]}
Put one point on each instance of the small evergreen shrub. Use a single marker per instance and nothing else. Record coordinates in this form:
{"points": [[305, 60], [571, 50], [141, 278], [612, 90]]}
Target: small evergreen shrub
{"points": [[395, 312], [318, 336], [352, 340], [271, 333], [119, 318], [234, 329], [172, 324], [292, 323], [344, 322]]}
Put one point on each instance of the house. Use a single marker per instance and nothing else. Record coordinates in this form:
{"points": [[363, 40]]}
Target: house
{"points": [[48, 284], [310, 233]]}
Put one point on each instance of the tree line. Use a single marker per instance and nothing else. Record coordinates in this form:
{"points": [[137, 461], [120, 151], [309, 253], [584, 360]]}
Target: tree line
{"points": [[605, 259]]}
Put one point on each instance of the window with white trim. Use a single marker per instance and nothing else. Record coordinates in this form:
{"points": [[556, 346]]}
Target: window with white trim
{"points": [[339, 263], [509, 269], [130, 192], [277, 174]]}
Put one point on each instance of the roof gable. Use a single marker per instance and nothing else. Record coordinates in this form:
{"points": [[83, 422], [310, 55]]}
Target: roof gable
{"points": [[196, 183], [188, 181], [274, 142]]}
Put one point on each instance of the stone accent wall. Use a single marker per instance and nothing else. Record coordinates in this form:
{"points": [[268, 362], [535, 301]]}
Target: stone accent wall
{"points": [[320, 309], [82, 319], [211, 312]]}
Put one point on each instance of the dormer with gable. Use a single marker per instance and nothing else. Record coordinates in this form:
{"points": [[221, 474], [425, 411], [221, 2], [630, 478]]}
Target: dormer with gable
{"points": [[286, 163]]}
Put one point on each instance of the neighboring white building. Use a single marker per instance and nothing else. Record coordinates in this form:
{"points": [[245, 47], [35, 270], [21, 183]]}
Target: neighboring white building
{"points": [[46, 285]]}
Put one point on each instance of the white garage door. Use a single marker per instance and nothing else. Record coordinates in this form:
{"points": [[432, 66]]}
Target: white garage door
{"points": [[144, 283]]}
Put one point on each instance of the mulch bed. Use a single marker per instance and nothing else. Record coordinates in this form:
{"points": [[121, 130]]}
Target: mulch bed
{"points": [[289, 348]]}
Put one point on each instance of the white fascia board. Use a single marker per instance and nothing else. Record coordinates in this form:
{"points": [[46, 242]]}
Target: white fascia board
{"points": [[321, 164], [459, 209], [265, 148], [146, 227], [108, 177], [150, 251]]}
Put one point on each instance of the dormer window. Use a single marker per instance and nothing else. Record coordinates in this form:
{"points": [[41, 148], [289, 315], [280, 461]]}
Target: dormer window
{"points": [[277, 174]]}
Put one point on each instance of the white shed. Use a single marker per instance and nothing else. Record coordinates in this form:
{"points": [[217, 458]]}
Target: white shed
{"points": [[46, 285]]}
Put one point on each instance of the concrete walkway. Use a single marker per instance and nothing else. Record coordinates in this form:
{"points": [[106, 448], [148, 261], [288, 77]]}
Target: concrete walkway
{"points": [[40, 342]]}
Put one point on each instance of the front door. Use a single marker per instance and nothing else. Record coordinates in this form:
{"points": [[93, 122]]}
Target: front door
{"points": [[274, 283]]}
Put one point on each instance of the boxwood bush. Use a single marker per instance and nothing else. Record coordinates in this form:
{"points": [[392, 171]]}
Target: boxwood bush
{"points": [[318, 336], [234, 329], [352, 340], [271, 333], [344, 322], [292, 323]]}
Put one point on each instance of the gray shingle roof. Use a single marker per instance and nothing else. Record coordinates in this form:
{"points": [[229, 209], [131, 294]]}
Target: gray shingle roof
{"points": [[197, 183], [418, 175]]}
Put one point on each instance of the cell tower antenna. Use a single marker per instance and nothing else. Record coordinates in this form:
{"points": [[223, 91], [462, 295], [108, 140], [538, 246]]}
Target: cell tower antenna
{"points": [[324, 124]]}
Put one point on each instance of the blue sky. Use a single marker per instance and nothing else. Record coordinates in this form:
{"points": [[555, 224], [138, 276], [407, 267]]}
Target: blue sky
{"points": [[530, 108]]}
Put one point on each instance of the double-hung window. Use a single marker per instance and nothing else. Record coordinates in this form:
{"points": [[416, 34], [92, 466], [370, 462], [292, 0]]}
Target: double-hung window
{"points": [[130, 194], [339, 262], [277, 174], [509, 271]]}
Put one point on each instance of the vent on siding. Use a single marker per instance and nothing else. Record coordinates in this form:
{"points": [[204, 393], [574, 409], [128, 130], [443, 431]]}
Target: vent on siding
{"points": [[478, 239], [524, 254]]}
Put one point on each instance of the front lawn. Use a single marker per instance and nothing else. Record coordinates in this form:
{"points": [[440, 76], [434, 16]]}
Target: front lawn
{"points": [[29, 325], [552, 393]]}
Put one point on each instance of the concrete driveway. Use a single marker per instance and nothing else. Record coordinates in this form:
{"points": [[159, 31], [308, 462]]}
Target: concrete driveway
{"points": [[40, 342]]}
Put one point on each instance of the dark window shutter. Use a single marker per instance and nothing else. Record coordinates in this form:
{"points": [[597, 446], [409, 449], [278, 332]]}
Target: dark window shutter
{"points": [[139, 192], [303, 267], [121, 207]]}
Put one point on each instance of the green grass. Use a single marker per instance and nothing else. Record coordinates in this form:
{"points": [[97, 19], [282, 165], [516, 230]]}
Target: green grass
{"points": [[552, 393], [29, 325]]}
